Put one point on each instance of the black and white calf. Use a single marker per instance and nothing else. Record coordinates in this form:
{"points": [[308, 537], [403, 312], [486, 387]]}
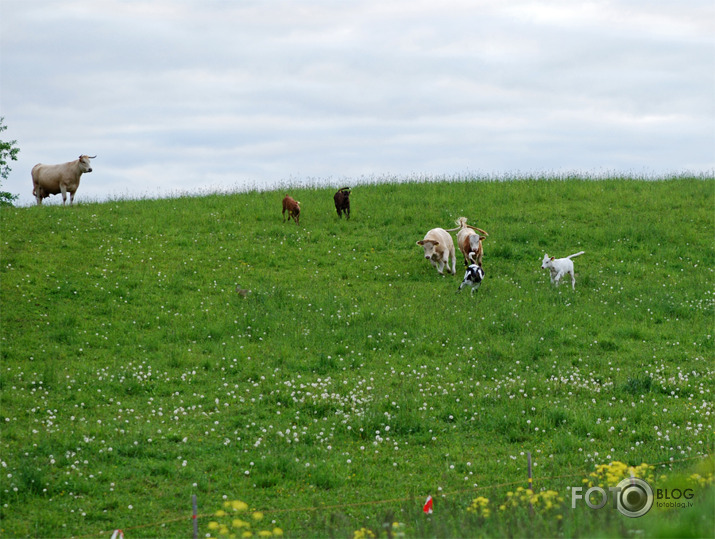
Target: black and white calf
{"points": [[472, 277]]}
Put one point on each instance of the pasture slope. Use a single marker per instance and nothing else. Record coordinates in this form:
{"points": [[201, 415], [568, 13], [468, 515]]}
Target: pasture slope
{"points": [[352, 381]]}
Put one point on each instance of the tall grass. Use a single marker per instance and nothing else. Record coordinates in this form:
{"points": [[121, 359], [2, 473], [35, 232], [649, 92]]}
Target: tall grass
{"points": [[134, 374]]}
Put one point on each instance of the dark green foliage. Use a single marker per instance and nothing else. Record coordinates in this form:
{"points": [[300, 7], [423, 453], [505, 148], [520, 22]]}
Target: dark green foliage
{"points": [[8, 151]]}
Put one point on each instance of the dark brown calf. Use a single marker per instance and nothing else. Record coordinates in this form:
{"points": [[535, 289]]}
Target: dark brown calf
{"points": [[293, 207], [342, 202]]}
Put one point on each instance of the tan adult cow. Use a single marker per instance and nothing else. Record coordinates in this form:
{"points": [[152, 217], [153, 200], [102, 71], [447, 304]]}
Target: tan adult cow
{"points": [[439, 248], [54, 179]]}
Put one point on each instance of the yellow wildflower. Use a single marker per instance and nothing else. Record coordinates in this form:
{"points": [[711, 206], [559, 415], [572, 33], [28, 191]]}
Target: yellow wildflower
{"points": [[277, 531], [480, 506], [257, 515], [238, 523]]}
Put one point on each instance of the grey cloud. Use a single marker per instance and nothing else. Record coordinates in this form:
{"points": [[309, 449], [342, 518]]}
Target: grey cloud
{"points": [[223, 93]]}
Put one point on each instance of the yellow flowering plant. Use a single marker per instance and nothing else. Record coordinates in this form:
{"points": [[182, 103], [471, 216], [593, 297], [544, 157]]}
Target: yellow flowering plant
{"points": [[364, 533], [392, 530], [701, 480], [609, 475], [480, 507], [228, 524], [544, 502]]}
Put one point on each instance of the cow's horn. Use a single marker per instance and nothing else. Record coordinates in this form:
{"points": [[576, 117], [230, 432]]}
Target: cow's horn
{"points": [[92, 157]]}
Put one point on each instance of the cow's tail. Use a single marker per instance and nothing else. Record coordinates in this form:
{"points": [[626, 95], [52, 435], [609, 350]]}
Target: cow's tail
{"points": [[577, 254], [461, 223], [477, 229]]}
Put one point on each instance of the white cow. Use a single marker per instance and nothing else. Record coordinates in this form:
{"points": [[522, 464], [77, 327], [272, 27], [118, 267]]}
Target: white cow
{"points": [[53, 179], [439, 247]]}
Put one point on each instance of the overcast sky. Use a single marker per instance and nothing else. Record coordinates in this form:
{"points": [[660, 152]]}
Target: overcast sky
{"points": [[195, 95]]}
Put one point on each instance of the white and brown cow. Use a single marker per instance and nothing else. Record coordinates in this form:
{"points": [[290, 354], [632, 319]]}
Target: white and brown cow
{"points": [[54, 179], [439, 248], [470, 243]]}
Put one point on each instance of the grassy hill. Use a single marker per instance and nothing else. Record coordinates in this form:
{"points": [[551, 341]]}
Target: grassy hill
{"points": [[352, 381]]}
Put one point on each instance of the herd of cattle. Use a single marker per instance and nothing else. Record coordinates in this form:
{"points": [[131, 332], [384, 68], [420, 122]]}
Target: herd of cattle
{"points": [[437, 244], [342, 205], [439, 250]]}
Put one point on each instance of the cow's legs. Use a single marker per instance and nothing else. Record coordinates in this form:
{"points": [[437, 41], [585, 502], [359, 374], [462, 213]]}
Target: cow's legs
{"points": [[64, 194]]}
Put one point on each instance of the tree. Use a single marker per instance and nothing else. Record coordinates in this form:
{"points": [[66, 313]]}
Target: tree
{"points": [[8, 150]]}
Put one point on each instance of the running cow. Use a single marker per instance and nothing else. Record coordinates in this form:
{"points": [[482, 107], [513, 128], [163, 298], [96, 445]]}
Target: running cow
{"points": [[439, 249], [470, 243]]}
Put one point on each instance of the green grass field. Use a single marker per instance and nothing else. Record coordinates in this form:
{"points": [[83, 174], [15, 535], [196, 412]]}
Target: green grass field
{"points": [[352, 380]]}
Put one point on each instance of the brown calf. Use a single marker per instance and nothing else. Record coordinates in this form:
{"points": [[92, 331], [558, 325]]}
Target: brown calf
{"points": [[293, 207]]}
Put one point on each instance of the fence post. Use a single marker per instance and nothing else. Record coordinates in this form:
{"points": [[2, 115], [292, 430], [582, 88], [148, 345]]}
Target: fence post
{"points": [[531, 481], [194, 515], [528, 462]]}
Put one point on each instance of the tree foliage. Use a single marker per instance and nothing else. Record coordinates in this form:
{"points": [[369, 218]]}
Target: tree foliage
{"points": [[8, 152]]}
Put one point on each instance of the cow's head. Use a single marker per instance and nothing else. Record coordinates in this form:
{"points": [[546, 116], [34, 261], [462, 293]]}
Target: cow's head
{"points": [[84, 164], [546, 262], [429, 247]]}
